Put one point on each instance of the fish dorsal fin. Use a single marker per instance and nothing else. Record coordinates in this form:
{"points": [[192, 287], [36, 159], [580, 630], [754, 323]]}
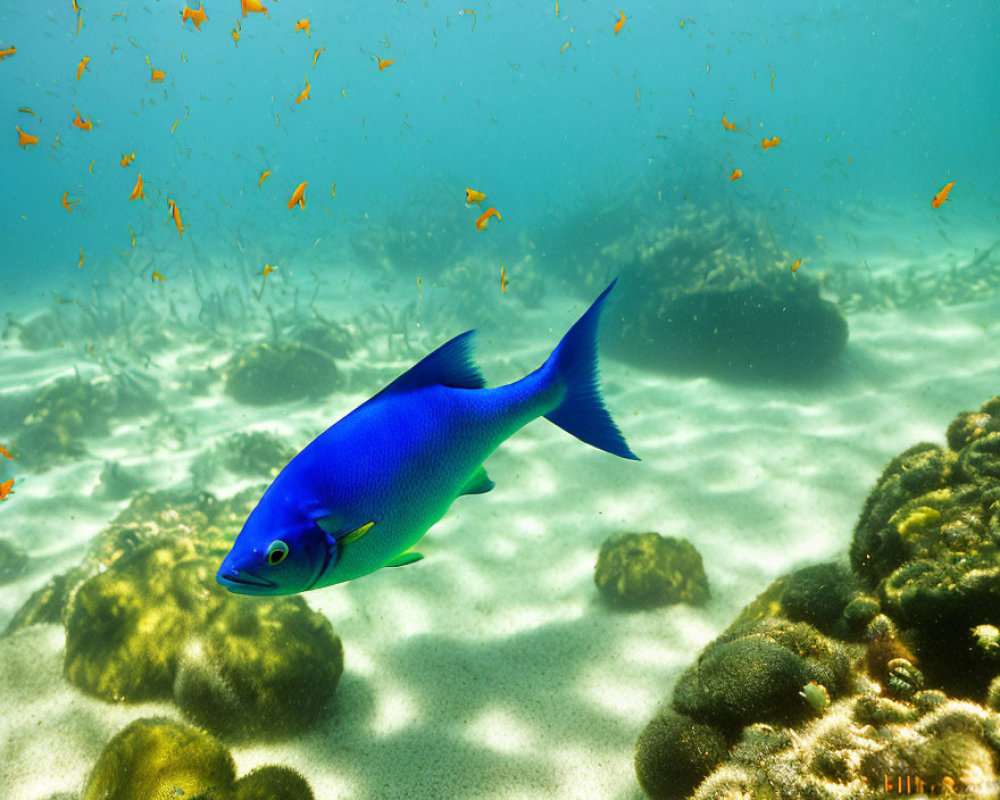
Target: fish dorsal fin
{"points": [[403, 559], [450, 365], [479, 483]]}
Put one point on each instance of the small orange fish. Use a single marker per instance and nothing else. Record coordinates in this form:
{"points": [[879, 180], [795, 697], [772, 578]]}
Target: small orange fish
{"points": [[767, 144], [8, 52], [253, 6], [5, 452], [79, 123], [137, 191], [563, 48], [132, 234], [6, 488], [729, 126], [197, 17], [772, 80], [303, 25], [503, 280], [485, 217], [176, 213], [420, 285], [91, 167], [80, 265], [156, 277], [299, 196], [620, 23], [127, 158], [24, 139], [82, 66], [737, 174], [472, 197], [157, 75], [383, 64], [304, 94], [941, 196], [268, 269], [263, 177], [796, 265], [76, 7], [316, 56], [236, 34], [333, 192], [66, 202]]}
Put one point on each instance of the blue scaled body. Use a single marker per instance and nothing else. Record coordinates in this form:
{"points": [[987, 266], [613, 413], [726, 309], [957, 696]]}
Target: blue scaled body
{"points": [[365, 491]]}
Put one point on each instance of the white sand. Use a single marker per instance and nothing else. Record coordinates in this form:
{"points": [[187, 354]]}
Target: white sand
{"points": [[491, 668]]}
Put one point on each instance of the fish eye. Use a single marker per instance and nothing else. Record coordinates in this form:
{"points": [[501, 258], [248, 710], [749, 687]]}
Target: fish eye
{"points": [[276, 552]]}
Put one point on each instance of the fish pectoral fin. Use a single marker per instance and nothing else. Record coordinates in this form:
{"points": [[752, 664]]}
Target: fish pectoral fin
{"points": [[403, 559], [479, 483], [356, 534]]}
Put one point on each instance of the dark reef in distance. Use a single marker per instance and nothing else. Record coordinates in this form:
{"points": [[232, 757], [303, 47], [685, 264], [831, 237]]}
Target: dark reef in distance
{"points": [[837, 680]]}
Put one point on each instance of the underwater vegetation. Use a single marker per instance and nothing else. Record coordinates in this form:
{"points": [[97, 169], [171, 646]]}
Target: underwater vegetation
{"points": [[645, 570], [156, 758], [836, 681], [144, 620], [256, 454], [269, 373]]}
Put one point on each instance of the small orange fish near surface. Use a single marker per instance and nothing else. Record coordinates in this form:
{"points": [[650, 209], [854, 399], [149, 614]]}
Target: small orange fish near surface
{"points": [[263, 177], [66, 202], [5, 452], [236, 34], [268, 269], [767, 144], [486, 216], [316, 56], [80, 265], [941, 196], [503, 280], [737, 174], [620, 23], [303, 25], [137, 191], [383, 64], [299, 196], [729, 126], [304, 94], [333, 192], [157, 76], [472, 197], [253, 6], [6, 488], [176, 213], [82, 66], [197, 17], [24, 139], [8, 52], [127, 158], [79, 123], [796, 265]]}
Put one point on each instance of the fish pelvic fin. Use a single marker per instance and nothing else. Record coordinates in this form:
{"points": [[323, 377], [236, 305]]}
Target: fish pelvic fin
{"points": [[574, 363], [403, 559]]}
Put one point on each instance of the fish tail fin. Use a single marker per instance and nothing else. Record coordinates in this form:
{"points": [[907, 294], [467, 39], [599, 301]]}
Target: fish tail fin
{"points": [[574, 363]]}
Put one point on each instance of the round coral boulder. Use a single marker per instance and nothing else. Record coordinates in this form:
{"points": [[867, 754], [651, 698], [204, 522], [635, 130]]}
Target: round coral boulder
{"points": [[643, 570]]}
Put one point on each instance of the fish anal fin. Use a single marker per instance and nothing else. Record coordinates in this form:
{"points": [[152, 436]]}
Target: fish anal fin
{"points": [[479, 483], [403, 559]]}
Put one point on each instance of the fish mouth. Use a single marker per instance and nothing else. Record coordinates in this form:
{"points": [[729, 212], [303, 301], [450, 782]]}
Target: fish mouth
{"points": [[241, 581]]}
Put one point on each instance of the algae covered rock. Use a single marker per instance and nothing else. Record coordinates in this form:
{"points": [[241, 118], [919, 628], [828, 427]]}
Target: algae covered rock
{"points": [[642, 570], [674, 753], [159, 759], [268, 373], [755, 673], [42, 332], [255, 454], [818, 595]]}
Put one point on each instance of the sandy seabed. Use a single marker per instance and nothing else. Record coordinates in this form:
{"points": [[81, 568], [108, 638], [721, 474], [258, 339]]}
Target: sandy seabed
{"points": [[492, 669]]}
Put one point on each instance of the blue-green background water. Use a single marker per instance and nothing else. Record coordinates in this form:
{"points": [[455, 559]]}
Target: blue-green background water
{"points": [[905, 93]]}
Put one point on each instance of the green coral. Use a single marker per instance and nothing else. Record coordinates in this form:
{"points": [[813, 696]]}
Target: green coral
{"points": [[159, 759], [268, 373], [674, 753], [643, 570]]}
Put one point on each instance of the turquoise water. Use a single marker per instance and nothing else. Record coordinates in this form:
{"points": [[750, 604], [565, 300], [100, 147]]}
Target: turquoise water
{"points": [[905, 93], [494, 667]]}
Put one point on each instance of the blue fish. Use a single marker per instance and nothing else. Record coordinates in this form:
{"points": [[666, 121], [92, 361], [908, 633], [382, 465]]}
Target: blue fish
{"points": [[367, 489]]}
